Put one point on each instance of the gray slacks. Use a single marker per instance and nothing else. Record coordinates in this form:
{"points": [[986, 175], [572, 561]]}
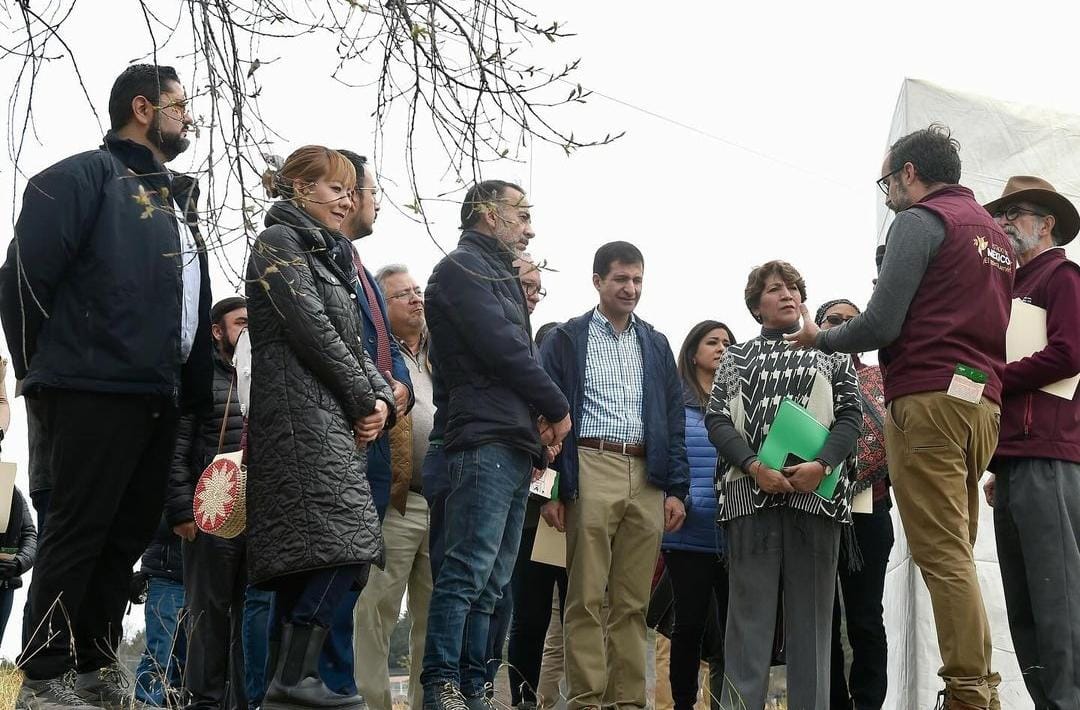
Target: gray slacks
{"points": [[1037, 525], [770, 550]]}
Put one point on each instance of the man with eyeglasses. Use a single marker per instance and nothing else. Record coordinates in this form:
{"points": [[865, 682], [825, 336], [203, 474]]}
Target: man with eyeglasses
{"points": [[336, 663], [405, 525], [105, 300], [938, 315], [1035, 487]]}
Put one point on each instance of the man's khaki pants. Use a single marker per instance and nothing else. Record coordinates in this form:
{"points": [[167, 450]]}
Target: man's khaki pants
{"points": [[408, 564], [938, 448], [613, 534]]}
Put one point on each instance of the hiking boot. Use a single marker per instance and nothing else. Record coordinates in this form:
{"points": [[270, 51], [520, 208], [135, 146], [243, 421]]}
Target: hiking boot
{"points": [[50, 694], [447, 697], [108, 688], [296, 682]]}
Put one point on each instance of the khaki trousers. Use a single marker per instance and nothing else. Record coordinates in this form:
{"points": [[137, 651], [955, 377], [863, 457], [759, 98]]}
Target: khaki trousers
{"points": [[613, 533], [938, 448], [662, 699], [551, 668], [408, 566]]}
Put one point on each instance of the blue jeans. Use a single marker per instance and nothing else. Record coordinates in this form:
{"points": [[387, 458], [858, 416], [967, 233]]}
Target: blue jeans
{"points": [[336, 659], [498, 630], [256, 637], [485, 511], [162, 660]]}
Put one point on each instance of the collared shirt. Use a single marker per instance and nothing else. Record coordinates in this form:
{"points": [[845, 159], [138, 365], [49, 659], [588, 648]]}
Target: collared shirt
{"points": [[614, 383], [192, 280]]}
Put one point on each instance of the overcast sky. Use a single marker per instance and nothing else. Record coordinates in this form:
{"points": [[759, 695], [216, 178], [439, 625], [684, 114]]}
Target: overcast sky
{"points": [[796, 99]]}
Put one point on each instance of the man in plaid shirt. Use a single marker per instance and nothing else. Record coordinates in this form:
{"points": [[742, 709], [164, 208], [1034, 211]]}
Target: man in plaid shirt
{"points": [[623, 476]]}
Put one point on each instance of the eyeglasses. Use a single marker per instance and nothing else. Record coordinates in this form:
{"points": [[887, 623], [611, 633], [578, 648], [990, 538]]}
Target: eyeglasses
{"points": [[531, 290], [1012, 213], [837, 319], [407, 294], [883, 181]]}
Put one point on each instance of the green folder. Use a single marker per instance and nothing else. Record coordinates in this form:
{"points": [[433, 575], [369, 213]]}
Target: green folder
{"points": [[796, 433]]}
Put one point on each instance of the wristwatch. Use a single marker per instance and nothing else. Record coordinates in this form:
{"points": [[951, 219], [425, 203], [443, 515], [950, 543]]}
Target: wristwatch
{"points": [[824, 465]]}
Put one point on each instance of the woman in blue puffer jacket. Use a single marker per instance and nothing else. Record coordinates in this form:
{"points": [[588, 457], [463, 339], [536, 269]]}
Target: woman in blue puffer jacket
{"points": [[693, 554]]}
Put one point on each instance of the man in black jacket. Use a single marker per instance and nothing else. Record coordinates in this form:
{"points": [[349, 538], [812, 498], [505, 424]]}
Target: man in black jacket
{"points": [[105, 300], [215, 574], [502, 411]]}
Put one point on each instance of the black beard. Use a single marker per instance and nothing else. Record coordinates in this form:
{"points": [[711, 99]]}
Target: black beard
{"points": [[169, 145], [228, 350]]}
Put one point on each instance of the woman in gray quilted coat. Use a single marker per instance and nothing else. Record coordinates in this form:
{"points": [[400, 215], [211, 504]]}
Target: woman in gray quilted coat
{"points": [[316, 402]]}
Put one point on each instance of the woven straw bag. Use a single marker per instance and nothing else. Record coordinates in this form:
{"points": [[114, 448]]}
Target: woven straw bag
{"points": [[220, 502]]}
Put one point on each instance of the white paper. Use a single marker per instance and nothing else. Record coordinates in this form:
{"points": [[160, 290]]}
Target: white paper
{"points": [[543, 485], [7, 490], [1026, 336], [242, 363], [549, 547], [863, 502]]}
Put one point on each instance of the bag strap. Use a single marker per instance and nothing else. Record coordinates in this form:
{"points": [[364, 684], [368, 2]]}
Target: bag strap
{"points": [[225, 418]]}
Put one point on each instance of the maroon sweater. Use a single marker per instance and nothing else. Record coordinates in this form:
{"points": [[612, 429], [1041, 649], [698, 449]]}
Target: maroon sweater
{"points": [[961, 308], [1035, 424]]}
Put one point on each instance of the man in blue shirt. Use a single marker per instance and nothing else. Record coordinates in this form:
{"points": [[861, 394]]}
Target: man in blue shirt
{"points": [[623, 476]]}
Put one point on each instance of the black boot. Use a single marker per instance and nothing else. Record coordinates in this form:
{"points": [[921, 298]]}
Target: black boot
{"points": [[296, 684]]}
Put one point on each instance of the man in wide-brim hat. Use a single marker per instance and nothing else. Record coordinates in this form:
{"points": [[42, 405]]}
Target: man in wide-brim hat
{"points": [[1036, 490]]}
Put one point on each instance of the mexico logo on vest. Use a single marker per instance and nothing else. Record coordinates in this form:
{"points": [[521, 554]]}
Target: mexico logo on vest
{"points": [[992, 254]]}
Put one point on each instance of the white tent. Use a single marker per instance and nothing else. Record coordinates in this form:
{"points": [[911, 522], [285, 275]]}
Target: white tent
{"points": [[997, 139]]}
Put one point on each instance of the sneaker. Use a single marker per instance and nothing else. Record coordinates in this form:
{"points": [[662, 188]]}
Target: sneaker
{"points": [[448, 697], [50, 694], [108, 688], [484, 701]]}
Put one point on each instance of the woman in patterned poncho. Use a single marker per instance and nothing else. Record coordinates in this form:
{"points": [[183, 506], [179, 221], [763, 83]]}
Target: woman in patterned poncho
{"points": [[780, 533]]}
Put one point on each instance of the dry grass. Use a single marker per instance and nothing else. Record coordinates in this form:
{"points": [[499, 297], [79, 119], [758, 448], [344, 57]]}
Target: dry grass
{"points": [[10, 682]]}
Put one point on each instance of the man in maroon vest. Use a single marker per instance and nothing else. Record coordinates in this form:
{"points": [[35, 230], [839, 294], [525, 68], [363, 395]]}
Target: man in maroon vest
{"points": [[1036, 490], [938, 314]]}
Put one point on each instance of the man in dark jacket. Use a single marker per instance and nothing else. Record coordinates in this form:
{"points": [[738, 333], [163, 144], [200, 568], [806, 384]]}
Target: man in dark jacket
{"points": [[215, 568], [105, 301], [623, 475], [337, 664], [496, 390], [1035, 488]]}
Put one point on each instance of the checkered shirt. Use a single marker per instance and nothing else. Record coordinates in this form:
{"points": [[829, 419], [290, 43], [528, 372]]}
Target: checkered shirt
{"points": [[614, 378]]}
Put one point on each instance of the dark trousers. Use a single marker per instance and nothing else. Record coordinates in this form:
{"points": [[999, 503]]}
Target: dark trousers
{"points": [[7, 597], [110, 456], [215, 578], [257, 605], [312, 598], [696, 579], [498, 629], [862, 593], [501, 618], [532, 585], [336, 660], [1037, 525]]}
